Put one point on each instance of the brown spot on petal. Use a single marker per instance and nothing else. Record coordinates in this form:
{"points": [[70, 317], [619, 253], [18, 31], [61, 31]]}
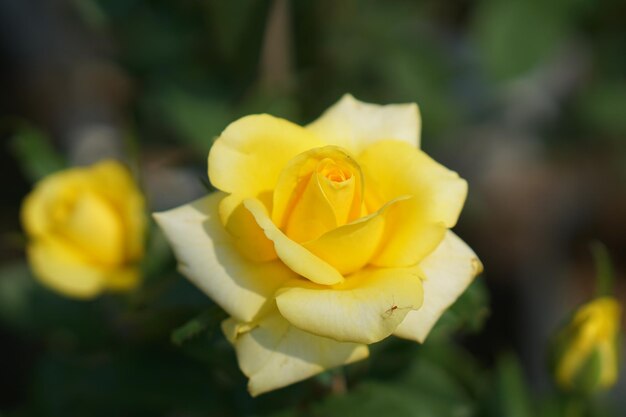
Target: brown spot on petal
{"points": [[477, 266]]}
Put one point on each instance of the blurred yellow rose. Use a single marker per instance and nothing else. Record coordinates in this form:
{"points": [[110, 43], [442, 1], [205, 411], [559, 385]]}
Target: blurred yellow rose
{"points": [[86, 230], [323, 239], [587, 348]]}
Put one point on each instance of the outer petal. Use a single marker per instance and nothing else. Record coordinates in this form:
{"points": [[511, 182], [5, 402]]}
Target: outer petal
{"points": [[366, 308], [60, 189], [448, 271], [251, 152], [275, 354], [294, 255], [64, 270], [353, 124], [207, 256], [415, 227], [113, 180]]}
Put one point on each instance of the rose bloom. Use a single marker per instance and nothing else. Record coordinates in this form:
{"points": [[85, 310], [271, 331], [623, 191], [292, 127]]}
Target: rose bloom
{"points": [[587, 351], [323, 239], [85, 229]]}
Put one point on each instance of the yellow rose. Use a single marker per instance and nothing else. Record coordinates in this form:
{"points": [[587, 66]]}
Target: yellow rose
{"points": [[86, 230], [586, 357], [323, 239]]}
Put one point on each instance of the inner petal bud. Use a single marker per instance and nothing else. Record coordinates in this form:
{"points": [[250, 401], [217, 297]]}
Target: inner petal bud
{"points": [[333, 172], [318, 191]]}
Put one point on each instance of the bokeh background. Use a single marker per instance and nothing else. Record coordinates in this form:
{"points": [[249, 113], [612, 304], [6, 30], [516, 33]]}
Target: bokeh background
{"points": [[525, 99]]}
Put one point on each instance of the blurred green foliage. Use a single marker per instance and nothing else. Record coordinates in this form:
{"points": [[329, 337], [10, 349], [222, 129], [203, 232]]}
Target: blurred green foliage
{"points": [[195, 67], [35, 153], [197, 63]]}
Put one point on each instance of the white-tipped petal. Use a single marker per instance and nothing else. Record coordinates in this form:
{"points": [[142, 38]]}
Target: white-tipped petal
{"points": [[448, 272], [275, 354], [207, 256], [353, 124]]}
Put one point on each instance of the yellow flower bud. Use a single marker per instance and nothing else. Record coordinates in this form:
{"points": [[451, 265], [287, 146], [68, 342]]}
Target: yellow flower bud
{"points": [[587, 348], [86, 230]]}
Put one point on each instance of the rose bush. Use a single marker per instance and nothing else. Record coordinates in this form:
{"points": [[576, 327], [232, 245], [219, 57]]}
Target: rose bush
{"points": [[323, 239], [86, 230]]}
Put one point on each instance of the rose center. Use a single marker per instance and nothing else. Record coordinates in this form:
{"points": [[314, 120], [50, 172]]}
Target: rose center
{"points": [[334, 172], [318, 191]]}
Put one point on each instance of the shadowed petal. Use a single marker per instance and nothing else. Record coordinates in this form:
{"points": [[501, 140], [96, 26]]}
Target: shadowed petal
{"points": [[64, 270], [274, 353], [208, 257]]}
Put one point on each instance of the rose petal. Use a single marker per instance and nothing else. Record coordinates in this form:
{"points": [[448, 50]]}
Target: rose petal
{"points": [[350, 247], [38, 209], [113, 197], [114, 181], [366, 308], [207, 256], [275, 354], [413, 227], [294, 255], [93, 227], [64, 270], [248, 237], [448, 272], [354, 125], [305, 198], [248, 157], [313, 214]]}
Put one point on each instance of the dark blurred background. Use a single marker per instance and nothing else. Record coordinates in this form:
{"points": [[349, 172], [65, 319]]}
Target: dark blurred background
{"points": [[525, 99]]}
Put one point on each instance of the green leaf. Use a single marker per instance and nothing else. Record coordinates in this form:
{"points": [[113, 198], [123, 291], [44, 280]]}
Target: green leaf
{"points": [[424, 388], [459, 364], [35, 153], [516, 36], [16, 288], [426, 391], [158, 253], [604, 269], [601, 106], [511, 397], [91, 13], [206, 322], [144, 381], [196, 120], [231, 21], [30, 307], [468, 313]]}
